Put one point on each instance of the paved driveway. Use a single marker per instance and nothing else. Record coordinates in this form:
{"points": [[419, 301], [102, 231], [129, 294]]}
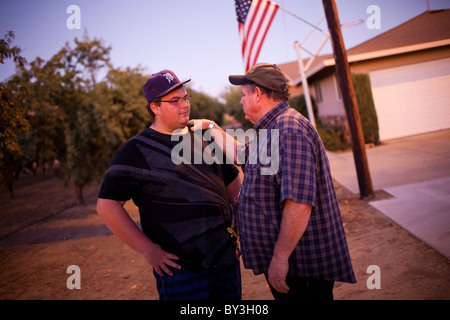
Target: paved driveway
{"points": [[416, 171]]}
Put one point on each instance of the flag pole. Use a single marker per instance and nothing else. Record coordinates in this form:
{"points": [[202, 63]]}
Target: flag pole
{"points": [[305, 85], [301, 66]]}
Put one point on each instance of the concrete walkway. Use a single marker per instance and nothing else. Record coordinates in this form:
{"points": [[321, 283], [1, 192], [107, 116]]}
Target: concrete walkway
{"points": [[416, 171]]}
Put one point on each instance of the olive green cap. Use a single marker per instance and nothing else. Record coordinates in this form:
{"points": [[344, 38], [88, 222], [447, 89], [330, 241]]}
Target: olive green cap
{"points": [[266, 75]]}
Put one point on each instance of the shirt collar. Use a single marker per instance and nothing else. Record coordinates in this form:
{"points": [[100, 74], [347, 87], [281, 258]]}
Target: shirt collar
{"points": [[269, 116]]}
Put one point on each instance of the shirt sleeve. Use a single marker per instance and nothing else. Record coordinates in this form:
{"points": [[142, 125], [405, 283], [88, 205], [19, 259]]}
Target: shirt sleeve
{"points": [[122, 178], [230, 172], [298, 173]]}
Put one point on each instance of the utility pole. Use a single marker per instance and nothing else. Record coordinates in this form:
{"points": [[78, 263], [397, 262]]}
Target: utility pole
{"points": [[349, 98]]}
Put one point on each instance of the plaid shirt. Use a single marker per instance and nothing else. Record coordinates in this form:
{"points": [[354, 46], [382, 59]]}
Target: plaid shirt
{"points": [[304, 177]]}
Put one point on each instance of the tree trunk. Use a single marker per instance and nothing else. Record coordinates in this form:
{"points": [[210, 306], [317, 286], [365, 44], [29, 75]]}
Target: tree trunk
{"points": [[10, 190], [79, 194]]}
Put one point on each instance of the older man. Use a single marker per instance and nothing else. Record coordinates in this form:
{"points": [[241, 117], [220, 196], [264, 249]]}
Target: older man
{"points": [[290, 224]]}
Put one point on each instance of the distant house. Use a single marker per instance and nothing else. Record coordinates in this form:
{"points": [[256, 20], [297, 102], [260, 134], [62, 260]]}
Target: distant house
{"points": [[409, 69]]}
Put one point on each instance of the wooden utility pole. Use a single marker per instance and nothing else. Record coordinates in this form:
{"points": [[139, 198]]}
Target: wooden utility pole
{"points": [[349, 98]]}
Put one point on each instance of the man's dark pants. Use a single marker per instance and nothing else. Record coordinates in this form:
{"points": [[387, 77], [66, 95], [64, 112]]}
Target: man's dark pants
{"points": [[305, 289]]}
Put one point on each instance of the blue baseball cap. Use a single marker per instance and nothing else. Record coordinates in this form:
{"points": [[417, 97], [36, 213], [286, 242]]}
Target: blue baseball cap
{"points": [[161, 83]]}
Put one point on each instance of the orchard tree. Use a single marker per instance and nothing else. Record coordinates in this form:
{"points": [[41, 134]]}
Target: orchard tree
{"points": [[87, 135], [12, 121], [205, 107], [126, 101], [35, 89], [232, 97], [58, 110]]}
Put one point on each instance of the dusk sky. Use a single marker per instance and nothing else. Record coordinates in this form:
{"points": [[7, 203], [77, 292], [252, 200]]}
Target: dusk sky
{"points": [[197, 39]]}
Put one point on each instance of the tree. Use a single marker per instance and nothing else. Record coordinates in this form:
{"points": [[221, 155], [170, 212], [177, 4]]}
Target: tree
{"points": [[90, 141], [232, 97], [34, 88], [299, 104], [59, 111], [87, 135], [7, 52], [12, 121], [61, 104], [205, 107], [126, 101]]}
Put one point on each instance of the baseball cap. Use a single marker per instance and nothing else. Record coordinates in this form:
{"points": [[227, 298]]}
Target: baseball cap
{"points": [[266, 75], [161, 83]]}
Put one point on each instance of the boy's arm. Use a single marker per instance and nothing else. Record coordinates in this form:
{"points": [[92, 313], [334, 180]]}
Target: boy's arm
{"points": [[120, 223]]}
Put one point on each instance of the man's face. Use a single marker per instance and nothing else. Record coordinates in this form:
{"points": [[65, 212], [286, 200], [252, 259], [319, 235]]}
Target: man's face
{"points": [[248, 104], [174, 114]]}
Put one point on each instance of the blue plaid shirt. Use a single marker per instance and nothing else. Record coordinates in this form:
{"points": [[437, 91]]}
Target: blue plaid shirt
{"points": [[303, 176]]}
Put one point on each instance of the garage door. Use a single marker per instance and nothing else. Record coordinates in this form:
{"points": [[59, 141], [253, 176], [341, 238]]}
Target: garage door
{"points": [[412, 99]]}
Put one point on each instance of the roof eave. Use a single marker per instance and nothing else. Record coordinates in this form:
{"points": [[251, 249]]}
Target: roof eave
{"points": [[398, 50], [373, 55]]}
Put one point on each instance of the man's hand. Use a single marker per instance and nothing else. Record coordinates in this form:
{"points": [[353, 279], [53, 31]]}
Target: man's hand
{"points": [[199, 124], [277, 273], [293, 224], [160, 259]]}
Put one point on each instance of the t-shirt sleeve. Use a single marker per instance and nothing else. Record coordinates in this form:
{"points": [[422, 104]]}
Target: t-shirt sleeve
{"points": [[230, 172], [298, 179], [122, 178]]}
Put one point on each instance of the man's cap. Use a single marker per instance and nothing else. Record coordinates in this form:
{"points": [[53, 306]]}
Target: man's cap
{"points": [[266, 75], [161, 83]]}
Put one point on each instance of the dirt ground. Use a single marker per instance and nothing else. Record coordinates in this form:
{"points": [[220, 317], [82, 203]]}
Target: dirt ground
{"points": [[43, 232]]}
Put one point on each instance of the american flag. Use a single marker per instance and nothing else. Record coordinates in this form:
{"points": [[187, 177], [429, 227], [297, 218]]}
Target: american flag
{"points": [[254, 19]]}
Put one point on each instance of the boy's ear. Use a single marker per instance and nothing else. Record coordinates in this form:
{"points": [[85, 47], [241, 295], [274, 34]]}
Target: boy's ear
{"points": [[155, 107]]}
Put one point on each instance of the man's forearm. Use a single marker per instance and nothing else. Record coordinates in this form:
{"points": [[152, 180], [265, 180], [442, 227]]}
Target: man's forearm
{"points": [[228, 144], [293, 224]]}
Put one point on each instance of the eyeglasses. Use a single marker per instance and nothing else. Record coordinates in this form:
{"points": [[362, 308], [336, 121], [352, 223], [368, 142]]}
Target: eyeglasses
{"points": [[186, 98]]}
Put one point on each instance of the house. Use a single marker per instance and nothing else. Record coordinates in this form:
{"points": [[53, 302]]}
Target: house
{"points": [[409, 70]]}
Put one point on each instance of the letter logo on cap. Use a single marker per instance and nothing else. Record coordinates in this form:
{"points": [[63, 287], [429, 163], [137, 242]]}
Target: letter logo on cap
{"points": [[168, 76]]}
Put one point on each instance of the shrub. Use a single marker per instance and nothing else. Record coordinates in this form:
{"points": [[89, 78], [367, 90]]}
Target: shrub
{"points": [[366, 107], [333, 138], [299, 104]]}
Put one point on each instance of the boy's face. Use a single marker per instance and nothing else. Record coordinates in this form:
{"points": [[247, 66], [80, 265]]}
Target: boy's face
{"points": [[173, 115]]}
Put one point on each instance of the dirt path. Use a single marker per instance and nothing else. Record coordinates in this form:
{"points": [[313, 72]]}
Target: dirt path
{"points": [[43, 232]]}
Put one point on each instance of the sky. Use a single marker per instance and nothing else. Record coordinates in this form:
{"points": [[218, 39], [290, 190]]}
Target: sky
{"points": [[197, 39]]}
